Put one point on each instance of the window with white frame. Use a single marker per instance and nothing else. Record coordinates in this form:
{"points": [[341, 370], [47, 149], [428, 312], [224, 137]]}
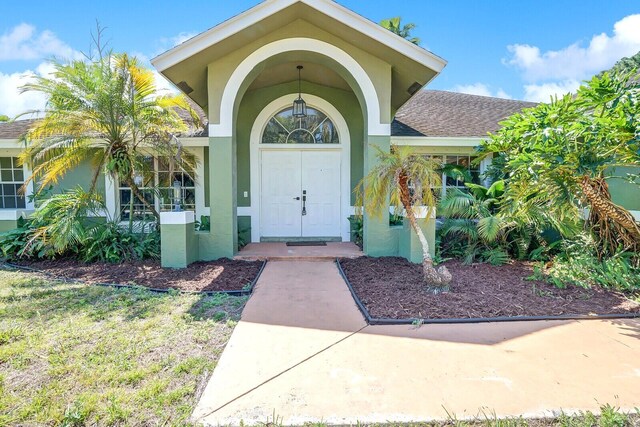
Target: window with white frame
{"points": [[156, 183], [466, 162], [11, 180]]}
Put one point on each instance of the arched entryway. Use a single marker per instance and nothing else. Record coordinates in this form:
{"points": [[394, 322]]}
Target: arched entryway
{"points": [[300, 172]]}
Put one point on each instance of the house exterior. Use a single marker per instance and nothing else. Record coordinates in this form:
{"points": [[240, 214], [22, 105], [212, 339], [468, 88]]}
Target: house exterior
{"points": [[264, 174]]}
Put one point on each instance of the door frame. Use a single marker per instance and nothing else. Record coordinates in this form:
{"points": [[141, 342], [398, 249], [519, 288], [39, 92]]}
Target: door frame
{"points": [[255, 159]]}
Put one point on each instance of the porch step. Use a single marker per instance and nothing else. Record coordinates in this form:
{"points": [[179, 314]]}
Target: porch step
{"points": [[281, 252]]}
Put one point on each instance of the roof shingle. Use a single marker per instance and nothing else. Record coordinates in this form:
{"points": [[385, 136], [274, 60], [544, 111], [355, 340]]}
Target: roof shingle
{"points": [[436, 113]]}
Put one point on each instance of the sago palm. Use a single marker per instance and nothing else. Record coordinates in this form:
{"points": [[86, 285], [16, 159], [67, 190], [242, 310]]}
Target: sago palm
{"points": [[108, 110], [405, 181]]}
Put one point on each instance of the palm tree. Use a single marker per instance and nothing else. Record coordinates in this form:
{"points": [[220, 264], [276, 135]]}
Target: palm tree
{"points": [[106, 109], [406, 180], [395, 26]]}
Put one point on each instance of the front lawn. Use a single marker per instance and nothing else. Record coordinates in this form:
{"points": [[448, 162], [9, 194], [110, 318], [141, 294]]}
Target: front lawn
{"points": [[75, 354]]}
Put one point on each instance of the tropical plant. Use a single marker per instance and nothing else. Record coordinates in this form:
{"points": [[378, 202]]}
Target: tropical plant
{"points": [[395, 26], [106, 109], [110, 243], [626, 65], [405, 180], [67, 225], [4, 118], [578, 264], [556, 158], [473, 216]]}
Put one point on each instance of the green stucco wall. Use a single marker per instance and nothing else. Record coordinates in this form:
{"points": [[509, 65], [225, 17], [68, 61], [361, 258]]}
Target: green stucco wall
{"points": [[223, 242], [179, 245], [409, 246], [379, 72], [255, 101], [622, 191], [379, 240], [80, 175], [8, 225]]}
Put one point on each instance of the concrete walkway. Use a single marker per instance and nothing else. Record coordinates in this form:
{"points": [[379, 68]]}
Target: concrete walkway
{"points": [[303, 352]]}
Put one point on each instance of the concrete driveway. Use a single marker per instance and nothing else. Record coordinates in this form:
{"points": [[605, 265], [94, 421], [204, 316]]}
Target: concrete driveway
{"points": [[303, 352]]}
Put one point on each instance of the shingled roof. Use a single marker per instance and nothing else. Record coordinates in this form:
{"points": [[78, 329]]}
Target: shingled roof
{"points": [[14, 130], [432, 113], [436, 113]]}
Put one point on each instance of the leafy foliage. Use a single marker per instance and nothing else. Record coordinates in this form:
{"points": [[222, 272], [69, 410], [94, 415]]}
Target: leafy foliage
{"points": [[404, 180], [4, 118], [395, 26], [108, 110], [66, 225], [578, 264], [556, 155]]}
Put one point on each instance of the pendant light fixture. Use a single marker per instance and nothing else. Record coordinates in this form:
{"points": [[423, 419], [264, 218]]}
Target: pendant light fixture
{"points": [[299, 106]]}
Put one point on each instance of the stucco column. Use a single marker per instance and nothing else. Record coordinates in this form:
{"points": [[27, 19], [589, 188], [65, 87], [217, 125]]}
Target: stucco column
{"points": [[179, 246], [378, 239], [223, 239]]}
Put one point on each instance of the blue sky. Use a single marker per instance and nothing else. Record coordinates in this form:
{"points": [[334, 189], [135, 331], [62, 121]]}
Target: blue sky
{"points": [[517, 49]]}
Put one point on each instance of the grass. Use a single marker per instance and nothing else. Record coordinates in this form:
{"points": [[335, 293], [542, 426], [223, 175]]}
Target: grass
{"points": [[75, 355], [609, 416]]}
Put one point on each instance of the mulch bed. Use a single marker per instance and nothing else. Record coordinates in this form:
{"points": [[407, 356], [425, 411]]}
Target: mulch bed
{"points": [[220, 275], [393, 288]]}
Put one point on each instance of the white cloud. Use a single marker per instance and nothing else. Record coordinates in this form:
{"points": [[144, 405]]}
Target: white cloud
{"points": [[578, 62], [12, 102], [544, 91], [181, 38], [480, 89], [23, 42]]}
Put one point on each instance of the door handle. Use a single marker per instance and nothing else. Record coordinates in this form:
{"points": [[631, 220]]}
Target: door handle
{"points": [[296, 198], [304, 202]]}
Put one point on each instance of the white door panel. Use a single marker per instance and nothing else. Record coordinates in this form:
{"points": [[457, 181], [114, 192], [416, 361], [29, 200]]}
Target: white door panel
{"points": [[280, 212], [321, 181], [285, 175]]}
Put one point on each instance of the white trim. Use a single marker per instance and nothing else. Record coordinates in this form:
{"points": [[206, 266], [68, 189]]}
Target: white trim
{"points": [[420, 212], [244, 211], [429, 141], [255, 149], [232, 88], [198, 153], [11, 143], [177, 218], [111, 196], [194, 141], [14, 214], [264, 10]]}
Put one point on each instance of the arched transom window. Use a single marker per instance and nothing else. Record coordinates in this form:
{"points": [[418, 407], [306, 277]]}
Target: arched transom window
{"points": [[315, 128]]}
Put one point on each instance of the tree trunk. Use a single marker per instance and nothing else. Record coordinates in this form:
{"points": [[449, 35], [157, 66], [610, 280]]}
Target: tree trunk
{"points": [[605, 213], [437, 280]]}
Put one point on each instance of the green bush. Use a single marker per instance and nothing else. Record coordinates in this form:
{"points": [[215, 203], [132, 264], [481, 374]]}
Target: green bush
{"points": [[63, 226], [109, 242], [579, 265]]}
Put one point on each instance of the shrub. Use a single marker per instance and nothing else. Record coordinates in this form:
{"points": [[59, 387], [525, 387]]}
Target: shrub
{"points": [[111, 243], [578, 264], [62, 225]]}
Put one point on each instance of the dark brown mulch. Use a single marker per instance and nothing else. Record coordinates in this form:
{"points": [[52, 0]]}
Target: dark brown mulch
{"points": [[393, 288], [220, 275]]}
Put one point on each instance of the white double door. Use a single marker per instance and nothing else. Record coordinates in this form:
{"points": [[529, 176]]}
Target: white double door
{"points": [[300, 193]]}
